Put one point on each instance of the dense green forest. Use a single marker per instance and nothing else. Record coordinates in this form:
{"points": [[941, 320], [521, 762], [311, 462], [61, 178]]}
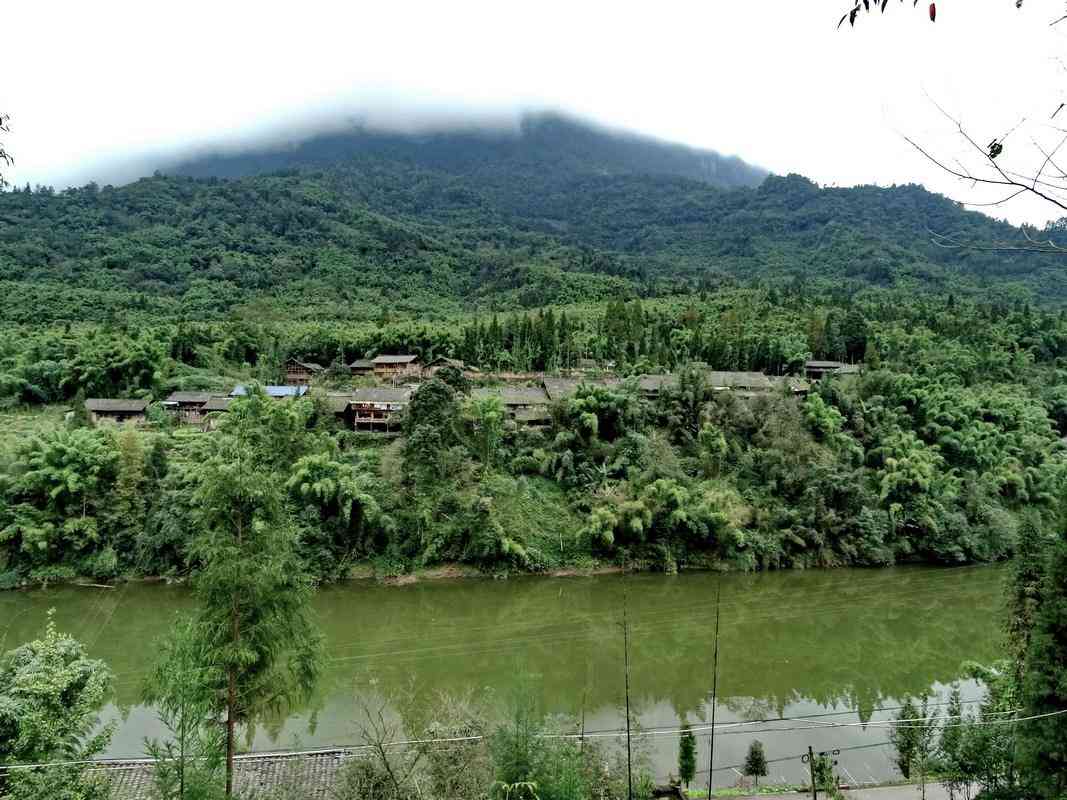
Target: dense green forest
{"points": [[937, 452], [361, 226], [527, 252]]}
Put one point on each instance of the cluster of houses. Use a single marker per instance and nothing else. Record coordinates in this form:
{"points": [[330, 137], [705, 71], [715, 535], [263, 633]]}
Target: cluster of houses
{"points": [[379, 408]]}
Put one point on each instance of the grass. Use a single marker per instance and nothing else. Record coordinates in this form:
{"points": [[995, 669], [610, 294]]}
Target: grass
{"points": [[739, 792], [534, 511]]}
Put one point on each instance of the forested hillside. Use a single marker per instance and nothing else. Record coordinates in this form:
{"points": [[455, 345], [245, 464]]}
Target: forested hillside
{"points": [[510, 259], [438, 225]]}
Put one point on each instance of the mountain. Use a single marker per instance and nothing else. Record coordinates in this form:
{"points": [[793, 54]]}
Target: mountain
{"points": [[350, 226], [546, 148]]}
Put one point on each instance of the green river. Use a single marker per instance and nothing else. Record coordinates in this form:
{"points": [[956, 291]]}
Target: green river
{"points": [[838, 648]]}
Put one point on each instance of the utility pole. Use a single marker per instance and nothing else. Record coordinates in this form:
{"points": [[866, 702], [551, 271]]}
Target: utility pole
{"points": [[714, 688], [810, 758], [626, 662]]}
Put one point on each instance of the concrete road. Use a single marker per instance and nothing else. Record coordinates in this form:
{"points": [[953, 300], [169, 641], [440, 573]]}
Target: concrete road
{"points": [[934, 791]]}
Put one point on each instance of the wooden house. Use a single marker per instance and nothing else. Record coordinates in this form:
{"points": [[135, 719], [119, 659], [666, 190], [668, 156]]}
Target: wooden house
{"points": [[527, 405], [211, 409], [378, 409], [393, 367], [301, 373], [361, 367], [188, 407], [651, 386], [817, 370], [116, 411], [563, 388]]}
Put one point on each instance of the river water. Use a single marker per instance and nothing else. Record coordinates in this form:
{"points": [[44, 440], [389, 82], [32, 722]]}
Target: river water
{"points": [[832, 651]]}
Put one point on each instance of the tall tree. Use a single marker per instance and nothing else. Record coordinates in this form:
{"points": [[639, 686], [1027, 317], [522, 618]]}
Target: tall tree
{"points": [[1043, 742], [187, 763], [687, 756], [904, 738], [756, 761], [254, 626]]}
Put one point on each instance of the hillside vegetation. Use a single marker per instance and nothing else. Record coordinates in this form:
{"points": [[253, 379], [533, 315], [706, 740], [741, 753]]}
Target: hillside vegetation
{"points": [[355, 226], [529, 253]]}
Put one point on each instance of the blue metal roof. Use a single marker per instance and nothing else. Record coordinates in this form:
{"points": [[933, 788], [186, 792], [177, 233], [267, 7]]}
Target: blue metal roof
{"points": [[273, 391]]}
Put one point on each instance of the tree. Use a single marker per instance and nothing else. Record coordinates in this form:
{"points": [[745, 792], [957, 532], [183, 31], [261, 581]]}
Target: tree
{"points": [[756, 761], [904, 738], [483, 420], [50, 694], [1024, 588], [687, 756], [915, 738], [187, 764], [254, 629], [340, 497], [1043, 742]]}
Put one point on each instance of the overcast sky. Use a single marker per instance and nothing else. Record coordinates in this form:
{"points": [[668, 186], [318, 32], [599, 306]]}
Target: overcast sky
{"points": [[93, 86]]}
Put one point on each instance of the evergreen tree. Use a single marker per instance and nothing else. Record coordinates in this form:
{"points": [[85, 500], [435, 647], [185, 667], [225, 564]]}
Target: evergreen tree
{"points": [[254, 628], [904, 738], [1043, 742], [1024, 589], [188, 762], [756, 761], [687, 756]]}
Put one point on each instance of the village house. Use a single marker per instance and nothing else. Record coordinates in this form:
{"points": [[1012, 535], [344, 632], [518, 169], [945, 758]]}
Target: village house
{"points": [[211, 409], [361, 367], [817, 370], [378, 409], [188, 407], [301, 373], [527, 405], [116, 411], [562, 388], [395, 367], [652, 385]]}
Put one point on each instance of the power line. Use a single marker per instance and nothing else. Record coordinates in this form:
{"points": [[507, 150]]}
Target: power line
{"points": [[558, 736]]}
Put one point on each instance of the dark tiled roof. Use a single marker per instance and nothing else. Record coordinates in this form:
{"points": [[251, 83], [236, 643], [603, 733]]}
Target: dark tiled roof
{"points": [[755, 381], [312, 774], [127, 406], [361, 363], [558, 388], [516, 395], [306, 364], [395, 359], [189, 397], [381, 395], [650, 384], [273, 391], [823, 364], [218, 404], [339, 402]]}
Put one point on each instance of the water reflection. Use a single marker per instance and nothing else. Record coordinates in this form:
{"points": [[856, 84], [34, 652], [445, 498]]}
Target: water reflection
{"points": [[792, 644]]}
